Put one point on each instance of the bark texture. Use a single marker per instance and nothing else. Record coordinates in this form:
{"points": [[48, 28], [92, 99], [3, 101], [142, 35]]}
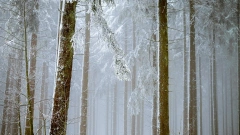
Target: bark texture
{"points": [[163, 69], [64, 71]]}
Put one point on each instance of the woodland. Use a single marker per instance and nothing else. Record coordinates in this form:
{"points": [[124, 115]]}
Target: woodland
{"points": [[120, 67]]}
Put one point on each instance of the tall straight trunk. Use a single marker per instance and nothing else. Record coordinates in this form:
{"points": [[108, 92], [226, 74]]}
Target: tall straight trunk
{"points": [[107, 119], [163, 69], [223, 104], [10, 101], [125, 117], [114, 111], [64, 71], [238, 21], [31, 93], [133, 131], [214, 81], [200, 97], [192, 77], [185, 82], [155, 92], [16, 126], [84, 99], [6, 100], [29, 119], [41, 126], [231, 102], [211, 98]]}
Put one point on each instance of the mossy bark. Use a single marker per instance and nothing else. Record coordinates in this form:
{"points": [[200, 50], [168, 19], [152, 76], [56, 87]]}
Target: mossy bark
{"points": [[64, 71], [163, 69], [192, 77]]}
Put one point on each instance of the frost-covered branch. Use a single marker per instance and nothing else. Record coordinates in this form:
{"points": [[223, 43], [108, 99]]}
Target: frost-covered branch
{"points": [[121, 69]]}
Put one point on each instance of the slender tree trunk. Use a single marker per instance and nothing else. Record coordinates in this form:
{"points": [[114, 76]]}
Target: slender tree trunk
{"points": [[155, 92], [211, 98], [192, 79], [29, 119], [215, 101], [114, 111], [31, 79], [16, 124], [200, 96], [125, 117], [83, 125], [238, 21], [163, 69], [185, 81], [41, 108], [133, 132], [6, 100], [64, 71]]}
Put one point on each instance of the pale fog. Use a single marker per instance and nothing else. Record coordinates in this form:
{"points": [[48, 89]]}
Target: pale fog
{"points": [[122, 99]]}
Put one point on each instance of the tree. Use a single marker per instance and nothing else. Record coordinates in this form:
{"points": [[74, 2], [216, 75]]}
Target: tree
{"points": [[42, 123], [163, 69], [33, 26], [192, 77], [7, 93], [185, 83], [84, 99], [64, 70]]}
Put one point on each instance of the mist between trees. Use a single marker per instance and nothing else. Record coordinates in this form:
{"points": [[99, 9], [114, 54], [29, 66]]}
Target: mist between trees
{"points": [[119, 67]]}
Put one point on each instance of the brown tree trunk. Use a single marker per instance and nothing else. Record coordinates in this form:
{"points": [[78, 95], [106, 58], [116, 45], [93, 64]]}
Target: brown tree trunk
{"points": [[64, 71], [192, 78], [84, 99], [163, 69]]}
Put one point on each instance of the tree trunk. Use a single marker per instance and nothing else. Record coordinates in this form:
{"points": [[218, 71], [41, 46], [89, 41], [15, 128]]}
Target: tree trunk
{"points": [[155, 83], [64, 71], [114, 111], [185, 81], [163, 69], [125, 117], [133, 132], [192, 79], [31, 80], [16, 127], [214, 81], [41, 126], [6, 100], [84, 99], [238, 21], [200, 97]]}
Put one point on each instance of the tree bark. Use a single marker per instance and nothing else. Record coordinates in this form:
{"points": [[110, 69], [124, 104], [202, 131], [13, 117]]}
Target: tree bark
{"points": [[192, 79], [64, 71], [185, 81], [163, 69], [84, 107]]}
